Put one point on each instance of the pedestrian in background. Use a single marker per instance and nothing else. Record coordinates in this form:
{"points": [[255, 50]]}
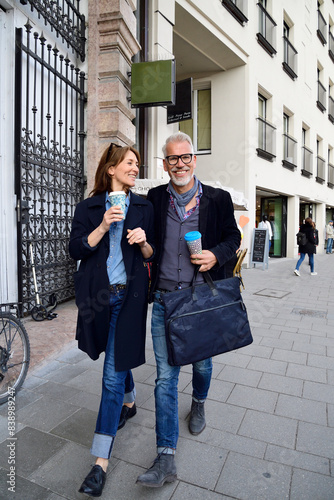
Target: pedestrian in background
{"points": [[310, 246], [329, 236], [111, 289]]}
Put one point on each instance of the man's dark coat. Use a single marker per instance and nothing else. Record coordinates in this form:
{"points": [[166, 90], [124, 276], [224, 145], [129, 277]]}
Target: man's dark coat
{"points": [[92, 283], [220, 233]]}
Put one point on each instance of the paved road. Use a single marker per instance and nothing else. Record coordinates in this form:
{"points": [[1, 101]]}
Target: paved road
{"points": [[270, 411]]}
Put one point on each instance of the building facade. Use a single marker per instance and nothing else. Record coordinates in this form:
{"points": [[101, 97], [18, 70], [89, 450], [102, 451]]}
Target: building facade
{"points": [[262, 115], [263, 75]]}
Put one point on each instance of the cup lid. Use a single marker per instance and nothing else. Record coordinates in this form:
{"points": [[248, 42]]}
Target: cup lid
{"points": [[113, 193], [192, 235]]}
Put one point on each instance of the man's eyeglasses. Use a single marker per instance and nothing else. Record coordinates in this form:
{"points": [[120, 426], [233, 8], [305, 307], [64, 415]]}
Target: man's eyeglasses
{"points": [[173, 160], [112, 144]]}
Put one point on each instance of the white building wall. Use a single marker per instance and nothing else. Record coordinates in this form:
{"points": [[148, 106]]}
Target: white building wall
{"points": [[233, 159]]}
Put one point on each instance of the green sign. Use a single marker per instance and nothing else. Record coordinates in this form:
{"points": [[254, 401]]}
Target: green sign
{"points": [[153, 83]]}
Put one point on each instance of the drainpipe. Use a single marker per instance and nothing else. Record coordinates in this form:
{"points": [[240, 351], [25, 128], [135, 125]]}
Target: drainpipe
{"points": [[142, 116]]}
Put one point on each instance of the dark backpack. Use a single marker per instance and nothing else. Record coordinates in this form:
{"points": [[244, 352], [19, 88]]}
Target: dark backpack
{"points": [[301, 239]]}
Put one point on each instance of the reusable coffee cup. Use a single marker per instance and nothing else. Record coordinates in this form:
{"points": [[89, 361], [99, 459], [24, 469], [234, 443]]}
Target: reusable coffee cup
{"points": [[117, 198], [194, 242]]}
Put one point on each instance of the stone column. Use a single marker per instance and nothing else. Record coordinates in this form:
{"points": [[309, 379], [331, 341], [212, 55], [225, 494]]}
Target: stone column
{"points": [[111, 44]]}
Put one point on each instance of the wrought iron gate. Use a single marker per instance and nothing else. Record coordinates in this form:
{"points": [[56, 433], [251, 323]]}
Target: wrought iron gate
{"points": [[49, 144]]}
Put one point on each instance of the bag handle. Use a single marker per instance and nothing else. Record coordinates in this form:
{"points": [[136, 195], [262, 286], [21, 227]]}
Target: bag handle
{"points": [[208, 280]]}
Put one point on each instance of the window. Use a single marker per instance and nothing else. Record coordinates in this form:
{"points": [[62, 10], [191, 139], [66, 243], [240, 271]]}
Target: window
{"points": [[266, 34], [322, 30], [331, 42], [307, 154], [320, 177], [289, 144], [330, 102], [290, 53], [199, 127], [237, 8], [321, 101], [330, 178], [266, 131]]}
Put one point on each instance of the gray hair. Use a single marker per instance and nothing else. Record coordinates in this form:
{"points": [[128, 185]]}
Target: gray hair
{"points": [[178, 137]]}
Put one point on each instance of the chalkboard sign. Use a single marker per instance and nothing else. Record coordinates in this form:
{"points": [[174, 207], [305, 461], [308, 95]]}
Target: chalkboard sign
{"points": [[260, 247]]}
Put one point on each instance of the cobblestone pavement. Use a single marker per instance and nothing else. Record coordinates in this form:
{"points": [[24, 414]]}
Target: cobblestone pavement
{"points": [[270, 410]]}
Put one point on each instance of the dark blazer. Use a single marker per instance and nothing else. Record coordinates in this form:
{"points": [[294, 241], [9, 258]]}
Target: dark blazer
{"points": [[310, 246], [92, 283], [217, 225]]}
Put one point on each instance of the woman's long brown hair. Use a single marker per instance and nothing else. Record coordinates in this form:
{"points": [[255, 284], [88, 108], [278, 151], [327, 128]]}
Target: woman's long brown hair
{"points": [[111, 157]]}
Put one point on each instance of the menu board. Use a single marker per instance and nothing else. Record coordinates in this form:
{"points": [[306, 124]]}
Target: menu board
{"points": [[260, 246]]}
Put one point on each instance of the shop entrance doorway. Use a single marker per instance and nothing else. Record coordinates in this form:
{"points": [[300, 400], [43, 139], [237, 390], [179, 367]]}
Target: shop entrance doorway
{"points": [[275, 208]]}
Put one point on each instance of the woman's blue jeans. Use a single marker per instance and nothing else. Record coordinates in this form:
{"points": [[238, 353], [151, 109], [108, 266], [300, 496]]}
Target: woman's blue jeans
{"points": [[166, 396], [310, 258], [114, 385]]}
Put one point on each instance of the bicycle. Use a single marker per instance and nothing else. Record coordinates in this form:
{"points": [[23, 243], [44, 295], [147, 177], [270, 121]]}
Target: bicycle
{"points": [[14, 351]]}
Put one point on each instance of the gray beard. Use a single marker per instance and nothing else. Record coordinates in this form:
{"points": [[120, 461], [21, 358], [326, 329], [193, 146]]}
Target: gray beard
{"points": [[181, 182]]}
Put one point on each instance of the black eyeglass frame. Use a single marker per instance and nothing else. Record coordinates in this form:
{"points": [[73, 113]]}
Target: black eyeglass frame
{"points": [[179, 157]]}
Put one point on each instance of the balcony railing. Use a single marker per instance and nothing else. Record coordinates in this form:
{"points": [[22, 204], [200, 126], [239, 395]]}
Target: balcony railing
{"points": [[290, 58], [237, 8], [321, 102], [289, 152], [307, 161], [331, 46], [322, 31], [331, 109], [266, 35], [321, 168], [330, 181], [267, 140]]}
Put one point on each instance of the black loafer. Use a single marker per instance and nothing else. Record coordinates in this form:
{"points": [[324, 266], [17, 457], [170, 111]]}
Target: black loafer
{"points": [[94, 482], [126, 413]]}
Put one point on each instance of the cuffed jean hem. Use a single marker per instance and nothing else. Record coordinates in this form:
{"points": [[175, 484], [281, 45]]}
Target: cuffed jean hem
{"points": [[198, 400], [102, 445], [130, 397], [165, 450]]}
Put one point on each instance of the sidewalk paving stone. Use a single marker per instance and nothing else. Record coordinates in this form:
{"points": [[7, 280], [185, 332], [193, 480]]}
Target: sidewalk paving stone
{"points": [[250, 478], [315, 439], [270, 409], [298, 459], [301, 409], [311, 486]]}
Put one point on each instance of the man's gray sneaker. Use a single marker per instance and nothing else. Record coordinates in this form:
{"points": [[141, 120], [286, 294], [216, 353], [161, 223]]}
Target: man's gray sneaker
{"points": [[197, 418], [163, 470]]}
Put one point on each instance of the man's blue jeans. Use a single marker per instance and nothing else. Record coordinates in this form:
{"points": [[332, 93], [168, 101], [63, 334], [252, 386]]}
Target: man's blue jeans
{"points": [[329, 245], [301, 259], [114, 385], [166, 396]]}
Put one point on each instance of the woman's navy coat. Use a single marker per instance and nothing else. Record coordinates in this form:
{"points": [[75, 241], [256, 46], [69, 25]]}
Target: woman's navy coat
{"points": [[92, 283]]}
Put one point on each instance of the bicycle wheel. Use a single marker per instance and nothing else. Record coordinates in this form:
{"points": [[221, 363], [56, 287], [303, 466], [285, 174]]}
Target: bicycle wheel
{"points": [[14, 355]]}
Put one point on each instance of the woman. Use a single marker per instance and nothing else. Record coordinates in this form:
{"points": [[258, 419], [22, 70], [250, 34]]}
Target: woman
{"points": [[309, 248], [111, 293]]}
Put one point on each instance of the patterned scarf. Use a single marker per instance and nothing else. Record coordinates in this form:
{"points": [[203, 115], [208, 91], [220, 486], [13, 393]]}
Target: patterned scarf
{"points": [[181, 200]]}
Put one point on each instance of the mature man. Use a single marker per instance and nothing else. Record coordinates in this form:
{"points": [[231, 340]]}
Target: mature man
{"points": [[329, 235], [181, 206]]}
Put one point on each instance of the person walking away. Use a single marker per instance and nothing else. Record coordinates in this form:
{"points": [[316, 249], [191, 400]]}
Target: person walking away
{"points": [[309, 248], [183, 205], [111, 285], [329, 235]]}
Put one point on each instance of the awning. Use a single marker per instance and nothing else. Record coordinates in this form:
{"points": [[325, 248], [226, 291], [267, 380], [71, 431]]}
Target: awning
{"points": [[239, 202]]}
